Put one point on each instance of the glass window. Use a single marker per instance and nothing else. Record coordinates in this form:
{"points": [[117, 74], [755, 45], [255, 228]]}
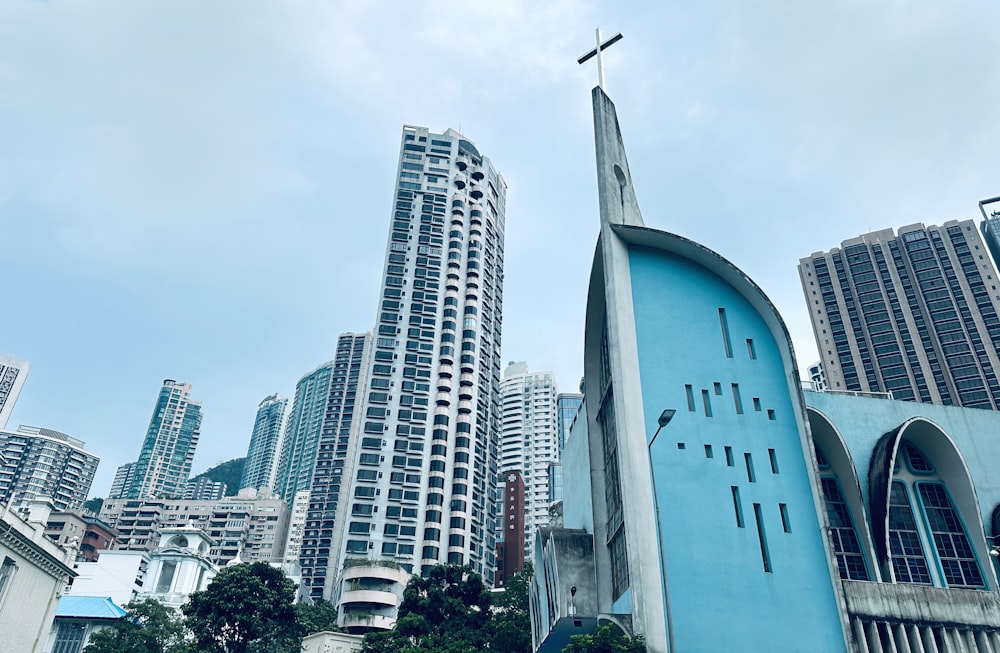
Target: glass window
{"points": [[958, 562], [850, 559], [905, 550]]}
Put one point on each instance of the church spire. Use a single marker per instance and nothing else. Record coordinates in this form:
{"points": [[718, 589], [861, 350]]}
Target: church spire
{"points": [[614, 182]]}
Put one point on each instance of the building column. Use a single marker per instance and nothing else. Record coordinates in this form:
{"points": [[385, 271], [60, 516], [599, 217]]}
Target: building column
{"points": [[859, 635], [874, 640], [982, 642]]}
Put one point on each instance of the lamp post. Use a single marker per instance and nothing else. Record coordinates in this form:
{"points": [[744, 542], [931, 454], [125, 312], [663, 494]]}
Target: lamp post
{"points": [[662, 420]]}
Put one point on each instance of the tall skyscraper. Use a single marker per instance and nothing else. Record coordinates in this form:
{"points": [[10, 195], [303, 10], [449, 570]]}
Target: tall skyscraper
{"points": [[567, 406], [38, 462], [915, 313], [302, 433], [122, 481], [263, 455], [164, 463], [529, 439], [13, 371], [327, 490], [423, 476]]}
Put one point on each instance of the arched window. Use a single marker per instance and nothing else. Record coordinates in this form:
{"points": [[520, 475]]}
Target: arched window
{"points": [[923, 516], [844, 537]]}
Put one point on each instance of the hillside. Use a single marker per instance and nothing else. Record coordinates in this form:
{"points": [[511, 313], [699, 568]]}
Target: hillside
{"points": [[229, 472]]}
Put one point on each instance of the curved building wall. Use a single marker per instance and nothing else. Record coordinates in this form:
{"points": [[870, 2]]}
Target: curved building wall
{"points": [[731, 477]]}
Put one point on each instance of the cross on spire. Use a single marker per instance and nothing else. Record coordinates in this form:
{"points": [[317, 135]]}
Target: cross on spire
{"points": [[599, 53]]}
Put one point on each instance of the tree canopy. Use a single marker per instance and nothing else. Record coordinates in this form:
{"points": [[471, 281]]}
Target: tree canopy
{"points": [[608, 638], [246, 608], [147, 627], [451, 610]]}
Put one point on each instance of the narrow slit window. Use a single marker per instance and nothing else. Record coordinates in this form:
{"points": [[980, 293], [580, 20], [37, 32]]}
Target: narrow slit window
{"points": [[737, 507], [729, 457], [748, 459], [774, 460], [762, 537], [718, 388], [737, 400], [689, 391], [756, 404], [770, 414], [785, 523], [708, 451], [751, 350], [705, 399], [725, 332]]}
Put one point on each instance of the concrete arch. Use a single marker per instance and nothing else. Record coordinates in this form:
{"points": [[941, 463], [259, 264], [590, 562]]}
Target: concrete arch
{"points": [[828, 438], [952, 469]]}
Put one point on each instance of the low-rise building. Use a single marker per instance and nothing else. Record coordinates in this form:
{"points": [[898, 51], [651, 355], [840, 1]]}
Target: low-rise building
{"points": [[77, 619], [253, 524], [33, 572]]}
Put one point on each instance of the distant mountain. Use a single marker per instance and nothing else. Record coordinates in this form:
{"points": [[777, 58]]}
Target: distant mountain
{"points": [[228, 472]]}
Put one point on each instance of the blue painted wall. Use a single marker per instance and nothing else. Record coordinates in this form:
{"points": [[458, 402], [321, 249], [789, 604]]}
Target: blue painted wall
{"points": [[721, 598]]}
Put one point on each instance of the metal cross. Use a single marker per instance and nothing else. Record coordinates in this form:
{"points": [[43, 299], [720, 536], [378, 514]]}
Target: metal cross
{"points": [[598, 52]]}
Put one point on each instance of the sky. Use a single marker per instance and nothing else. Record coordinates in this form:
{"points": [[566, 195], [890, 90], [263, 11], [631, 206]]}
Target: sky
{"points": [[201, 191]]}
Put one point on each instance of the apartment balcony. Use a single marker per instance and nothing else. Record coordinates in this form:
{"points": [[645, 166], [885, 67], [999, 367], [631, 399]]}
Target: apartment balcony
{"points": [[358, 623], [368, 597]]}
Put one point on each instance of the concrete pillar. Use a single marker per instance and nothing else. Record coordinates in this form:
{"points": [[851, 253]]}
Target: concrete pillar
{"points": [[859, 635], [902, 640], [930, 644], [916, 642], [874, 641], [983, 642], [994, 638]]}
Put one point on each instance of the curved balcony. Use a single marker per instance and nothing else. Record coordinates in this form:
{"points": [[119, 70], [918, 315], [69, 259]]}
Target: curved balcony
{"points": [[369, 597], [461, 164], [476, 193], [382, 572], [477, 174], [460, 181], [359, 623]]}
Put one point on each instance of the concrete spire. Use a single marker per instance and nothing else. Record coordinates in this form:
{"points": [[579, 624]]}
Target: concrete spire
{"points": [[614, 181]]}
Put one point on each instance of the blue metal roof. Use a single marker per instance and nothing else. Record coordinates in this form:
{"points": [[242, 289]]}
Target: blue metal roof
{"points": [[93, 607]]}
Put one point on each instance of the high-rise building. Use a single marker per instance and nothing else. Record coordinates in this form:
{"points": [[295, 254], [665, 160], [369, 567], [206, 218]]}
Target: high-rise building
{"points": [[164, 463], [303, 431], [567, 406], [261, 467], [817, 377], [13, 371], [914, 313], [991, 226], [529, 440], [316, 543], [204, 489], [122, 481], [423, 471], [38, 462]]}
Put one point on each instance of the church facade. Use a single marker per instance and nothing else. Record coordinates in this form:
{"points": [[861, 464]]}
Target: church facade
{"points": [[710, 504]]}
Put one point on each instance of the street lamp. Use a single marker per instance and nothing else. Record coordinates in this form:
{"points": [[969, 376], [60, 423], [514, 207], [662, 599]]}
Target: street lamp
{"points": [[662, 420]]}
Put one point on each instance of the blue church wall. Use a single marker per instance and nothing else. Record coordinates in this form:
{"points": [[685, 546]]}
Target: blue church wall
{"points": [[736, 507]]}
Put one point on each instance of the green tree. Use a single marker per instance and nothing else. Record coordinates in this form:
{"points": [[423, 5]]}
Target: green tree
{"points": [[511, 620], [608, 638], [93, 506], [147, 627], [245, 609], [445, 611], [315, 618]]}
